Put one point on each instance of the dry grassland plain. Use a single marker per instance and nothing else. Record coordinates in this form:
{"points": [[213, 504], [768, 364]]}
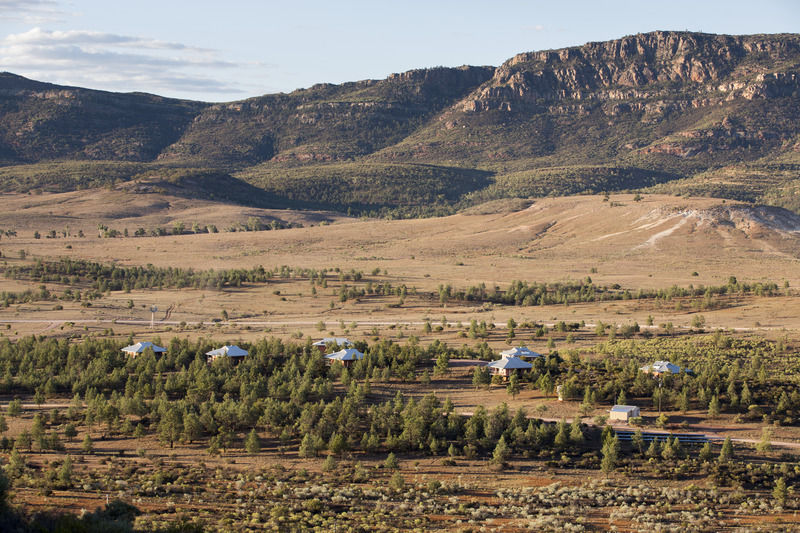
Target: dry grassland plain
{"points": [[654, 243]]}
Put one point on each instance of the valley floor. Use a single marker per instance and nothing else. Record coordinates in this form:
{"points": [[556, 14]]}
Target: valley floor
{"points": [[381, 280]]}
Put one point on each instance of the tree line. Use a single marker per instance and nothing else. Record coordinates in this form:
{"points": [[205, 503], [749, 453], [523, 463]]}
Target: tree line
{"points": [[103, 277], [535, 293]]}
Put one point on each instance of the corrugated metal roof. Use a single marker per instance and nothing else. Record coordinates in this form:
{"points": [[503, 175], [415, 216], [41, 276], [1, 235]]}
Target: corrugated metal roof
{"points": [[522, 351], [623, 408], [140, 347], [341, 341], [348, 354], [663, 367], [230, 351], [510, 363]]}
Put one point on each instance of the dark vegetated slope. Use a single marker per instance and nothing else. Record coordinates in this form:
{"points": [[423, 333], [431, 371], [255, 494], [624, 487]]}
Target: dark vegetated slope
{"points": [[773, 180], [368, 186], [40, 122], [186, 182], [61, 176], [325, 122], [566, 181], [785, 192], [207, 184]]}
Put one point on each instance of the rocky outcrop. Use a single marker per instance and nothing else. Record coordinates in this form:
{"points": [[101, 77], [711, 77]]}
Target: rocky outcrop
{"points": [[699, 68], [751, 220]]}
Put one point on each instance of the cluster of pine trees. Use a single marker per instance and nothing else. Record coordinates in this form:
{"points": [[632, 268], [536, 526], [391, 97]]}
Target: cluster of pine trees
{"points": [[283, 389]]}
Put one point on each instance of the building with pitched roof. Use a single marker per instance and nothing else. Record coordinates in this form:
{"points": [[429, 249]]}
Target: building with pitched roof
{"points": [[662, 367], [523, 352], [507, 365], [233, 352], [623, 412], [345, 357], [322, 345], [135, 349]]}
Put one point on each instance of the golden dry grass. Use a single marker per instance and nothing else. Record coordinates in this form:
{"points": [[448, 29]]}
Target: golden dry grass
{"points": [[657, 242], [653, 243]]}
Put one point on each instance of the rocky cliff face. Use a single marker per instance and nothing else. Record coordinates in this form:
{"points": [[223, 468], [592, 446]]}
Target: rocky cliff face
{"points": [[553, 98], [682, 99], [647, 66]]}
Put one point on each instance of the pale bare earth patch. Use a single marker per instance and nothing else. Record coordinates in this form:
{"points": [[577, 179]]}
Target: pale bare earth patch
{"points": [[660, 235]]}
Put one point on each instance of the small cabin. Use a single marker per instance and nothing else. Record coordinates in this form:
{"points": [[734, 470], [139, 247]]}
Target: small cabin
{"points": [[624, 412], [136, 349], [344, 357], [322, 345], [233, 352], [506, 366], [523, 352], [662, 367]]}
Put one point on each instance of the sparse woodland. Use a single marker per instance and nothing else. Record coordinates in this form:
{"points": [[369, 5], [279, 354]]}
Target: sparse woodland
{"points": [[283, 400]]}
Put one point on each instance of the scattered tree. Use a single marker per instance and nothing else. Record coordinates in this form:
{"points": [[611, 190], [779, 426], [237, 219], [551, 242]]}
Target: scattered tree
{"points": [[65, 473], [513, 387], [252, 443], [391, 462], [765, 444], [780, 491], [610, 453], [501, 452], [713, 407], [87, 446], [70, 432], [726, 453]]}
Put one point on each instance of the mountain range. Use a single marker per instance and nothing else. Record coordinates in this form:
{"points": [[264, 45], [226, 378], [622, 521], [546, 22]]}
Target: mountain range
{"points": [[677, 112]]}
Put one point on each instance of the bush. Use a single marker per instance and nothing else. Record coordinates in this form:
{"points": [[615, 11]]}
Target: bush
{"points": [[397, 483], [391, 462]]}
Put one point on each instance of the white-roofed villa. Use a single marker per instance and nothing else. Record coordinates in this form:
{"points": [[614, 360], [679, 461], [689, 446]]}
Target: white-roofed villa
{"points": [[232, 352], [136, 349], [507, 365], [523, 352], [345, 357], [340, 342], [662, 367]]}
